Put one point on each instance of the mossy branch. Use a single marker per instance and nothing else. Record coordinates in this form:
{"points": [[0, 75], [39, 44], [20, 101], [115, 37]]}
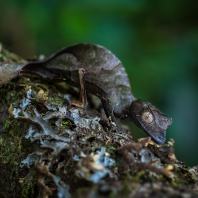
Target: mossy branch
{"points": [[52, 149]]}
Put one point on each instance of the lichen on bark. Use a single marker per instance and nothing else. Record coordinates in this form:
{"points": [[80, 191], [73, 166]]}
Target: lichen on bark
{"points": [[52, 149]]}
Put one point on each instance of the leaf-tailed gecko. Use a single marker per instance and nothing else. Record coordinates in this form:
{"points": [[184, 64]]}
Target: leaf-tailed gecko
{"points": [[105, 77]]}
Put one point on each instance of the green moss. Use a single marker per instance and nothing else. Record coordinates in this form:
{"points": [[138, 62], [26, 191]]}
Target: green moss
{"points": [[65, 123], [125, 190], [110, 149], [28, 184], [8, 57], [11, 155], [11, 96], [184, 176], [8, 122], [55, 100]]}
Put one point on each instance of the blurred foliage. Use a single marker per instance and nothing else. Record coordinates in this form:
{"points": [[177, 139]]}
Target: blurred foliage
{"points": [[157, 41]]}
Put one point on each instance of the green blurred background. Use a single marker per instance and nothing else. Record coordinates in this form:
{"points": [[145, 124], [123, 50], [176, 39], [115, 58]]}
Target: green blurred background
{"points": [[157, 41]]}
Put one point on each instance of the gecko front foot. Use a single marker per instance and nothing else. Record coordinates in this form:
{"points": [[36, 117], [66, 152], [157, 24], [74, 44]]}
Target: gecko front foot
{"points": [[111, 125]]}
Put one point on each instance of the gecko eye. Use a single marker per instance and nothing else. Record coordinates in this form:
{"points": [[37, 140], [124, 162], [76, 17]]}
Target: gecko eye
{"points": [[147, 117]]}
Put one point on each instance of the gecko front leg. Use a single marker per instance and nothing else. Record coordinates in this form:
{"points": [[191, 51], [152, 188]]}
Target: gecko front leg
{"points": [[82, 103], [108, 108]]}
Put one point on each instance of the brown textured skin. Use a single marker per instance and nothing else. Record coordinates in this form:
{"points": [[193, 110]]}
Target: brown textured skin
{"points": [[106, 78], [105, 75]]}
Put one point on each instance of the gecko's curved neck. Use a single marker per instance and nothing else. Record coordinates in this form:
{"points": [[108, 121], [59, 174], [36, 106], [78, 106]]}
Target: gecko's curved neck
{"points": [[124, 114]]}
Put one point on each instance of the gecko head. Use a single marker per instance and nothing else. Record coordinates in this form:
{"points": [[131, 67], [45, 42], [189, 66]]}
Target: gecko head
{"points": [[150, 120]]}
